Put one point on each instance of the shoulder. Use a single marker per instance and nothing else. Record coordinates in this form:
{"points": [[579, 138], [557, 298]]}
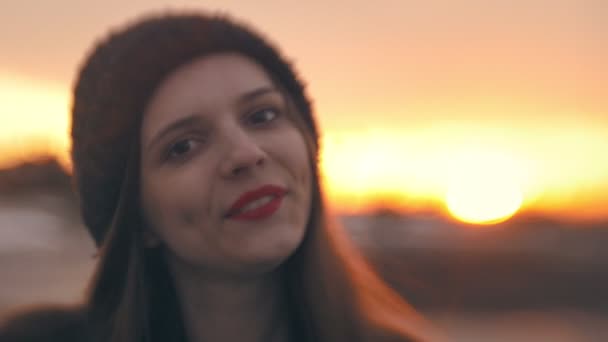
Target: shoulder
{"points": [[44, 323]]}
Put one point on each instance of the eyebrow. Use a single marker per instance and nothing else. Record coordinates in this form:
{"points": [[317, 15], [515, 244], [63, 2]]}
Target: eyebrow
{"points": [[249, 96], [193, 118]]}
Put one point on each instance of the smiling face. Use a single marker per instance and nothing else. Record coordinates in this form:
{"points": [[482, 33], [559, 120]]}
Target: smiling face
{"points": [[225, 173]]}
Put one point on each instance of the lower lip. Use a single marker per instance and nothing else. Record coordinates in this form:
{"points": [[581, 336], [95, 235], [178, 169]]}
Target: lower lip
{"points": [[260, 213]]}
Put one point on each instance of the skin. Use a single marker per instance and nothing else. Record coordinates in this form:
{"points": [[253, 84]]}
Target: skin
{"points": [[235, 135]]}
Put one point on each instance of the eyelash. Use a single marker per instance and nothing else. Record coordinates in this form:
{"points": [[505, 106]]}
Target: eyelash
{"points": [[274, 110], [168, 156]]}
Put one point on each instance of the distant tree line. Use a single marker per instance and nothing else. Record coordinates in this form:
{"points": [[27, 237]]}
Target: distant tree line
{"points": [[41, 174]]}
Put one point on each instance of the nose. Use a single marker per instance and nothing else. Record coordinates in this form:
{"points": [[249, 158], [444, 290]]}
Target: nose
{"points": [[242, 155]]}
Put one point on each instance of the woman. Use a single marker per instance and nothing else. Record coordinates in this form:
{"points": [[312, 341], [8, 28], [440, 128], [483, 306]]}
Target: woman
{"points": [[195, 160]]}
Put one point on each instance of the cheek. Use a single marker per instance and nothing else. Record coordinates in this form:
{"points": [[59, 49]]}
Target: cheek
{"points": [[174, 202], [305, 164], [302, 165]]}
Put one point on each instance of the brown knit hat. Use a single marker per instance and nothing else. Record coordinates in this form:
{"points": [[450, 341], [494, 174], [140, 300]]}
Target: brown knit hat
{"points": [[119, 77]]}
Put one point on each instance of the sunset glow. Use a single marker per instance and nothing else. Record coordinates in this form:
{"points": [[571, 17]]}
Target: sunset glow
{"points": [[479, 172], [37, 115], [479, 112], [482, 179]]}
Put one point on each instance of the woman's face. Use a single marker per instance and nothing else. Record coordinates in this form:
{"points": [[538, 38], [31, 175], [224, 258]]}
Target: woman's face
{"points": [[225, 174]]}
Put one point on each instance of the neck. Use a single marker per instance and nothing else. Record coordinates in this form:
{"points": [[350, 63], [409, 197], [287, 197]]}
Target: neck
{"points": [[232, 309]]}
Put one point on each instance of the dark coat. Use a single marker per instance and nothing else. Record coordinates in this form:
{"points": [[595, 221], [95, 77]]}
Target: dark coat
{"points": [[44, 324]]}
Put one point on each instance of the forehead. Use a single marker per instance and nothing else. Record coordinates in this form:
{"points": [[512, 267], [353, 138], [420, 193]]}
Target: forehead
{"points": [[204, 84]]}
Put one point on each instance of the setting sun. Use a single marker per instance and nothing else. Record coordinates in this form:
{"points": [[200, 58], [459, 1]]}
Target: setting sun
{"points": [[484, 188]]}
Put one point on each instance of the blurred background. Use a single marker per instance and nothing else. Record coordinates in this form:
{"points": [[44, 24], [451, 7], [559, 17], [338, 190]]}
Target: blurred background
{"points": [[464, 146]]}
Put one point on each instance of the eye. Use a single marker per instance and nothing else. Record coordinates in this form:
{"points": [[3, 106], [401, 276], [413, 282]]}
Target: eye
{"points": [[181, 148], [262, 116]]}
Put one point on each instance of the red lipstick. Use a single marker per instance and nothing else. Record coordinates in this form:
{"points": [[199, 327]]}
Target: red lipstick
{"points": [[269, 197]]}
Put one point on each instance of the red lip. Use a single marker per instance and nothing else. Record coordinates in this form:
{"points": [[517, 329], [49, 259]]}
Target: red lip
{"points": [[260, 212]]}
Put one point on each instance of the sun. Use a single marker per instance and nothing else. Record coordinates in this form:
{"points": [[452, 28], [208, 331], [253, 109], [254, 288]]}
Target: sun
{"points": [[483, 189]]}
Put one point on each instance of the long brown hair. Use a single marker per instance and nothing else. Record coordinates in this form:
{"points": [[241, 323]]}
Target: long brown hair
{"points": [[333, 294]]}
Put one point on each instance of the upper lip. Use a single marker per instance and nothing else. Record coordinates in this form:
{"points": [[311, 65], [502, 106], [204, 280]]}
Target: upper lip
{"points": [[252, 195]]}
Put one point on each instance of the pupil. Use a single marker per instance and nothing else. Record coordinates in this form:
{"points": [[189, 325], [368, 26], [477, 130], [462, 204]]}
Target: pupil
{"points": [[264, 115], [182, 147]]}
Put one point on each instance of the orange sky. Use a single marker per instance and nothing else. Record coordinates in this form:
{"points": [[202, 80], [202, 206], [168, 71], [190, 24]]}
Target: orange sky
{"points": [[411, 95]]}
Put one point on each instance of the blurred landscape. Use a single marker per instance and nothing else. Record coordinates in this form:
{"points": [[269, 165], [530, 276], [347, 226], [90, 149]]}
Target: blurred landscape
{"points": [[530, 278]]}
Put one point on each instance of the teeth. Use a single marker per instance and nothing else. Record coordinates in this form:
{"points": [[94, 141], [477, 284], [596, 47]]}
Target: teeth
{"points": [[257, 203]]}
